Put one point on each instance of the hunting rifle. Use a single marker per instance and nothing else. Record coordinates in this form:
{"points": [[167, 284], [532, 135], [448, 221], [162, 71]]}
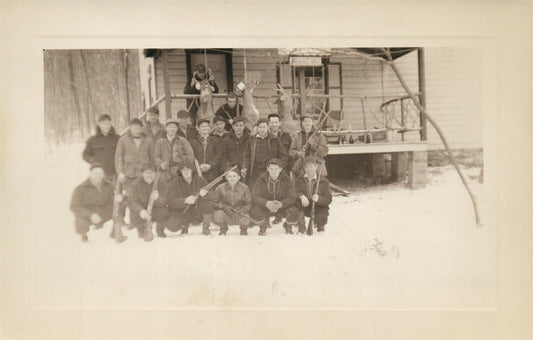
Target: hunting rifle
{"points": [[117, 224], [148, 233], [297, 167], [239, 213], [212, 184], [312, 214]]}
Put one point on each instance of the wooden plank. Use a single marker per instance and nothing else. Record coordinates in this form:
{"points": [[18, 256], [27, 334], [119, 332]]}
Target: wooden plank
{"points": [[376, 148], [166, 86]]}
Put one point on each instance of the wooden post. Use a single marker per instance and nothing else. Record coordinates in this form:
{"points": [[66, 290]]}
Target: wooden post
{"points": [[422, 90], [166, 85]]}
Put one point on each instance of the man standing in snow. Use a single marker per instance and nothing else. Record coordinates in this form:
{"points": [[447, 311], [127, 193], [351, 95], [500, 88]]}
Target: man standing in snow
{"points": [[307, 192], [92, 202], [187, 200], [317, 146], [153, 127], [273, 193], [235, 144], [229, 111], [207, 150], [101, 147]]}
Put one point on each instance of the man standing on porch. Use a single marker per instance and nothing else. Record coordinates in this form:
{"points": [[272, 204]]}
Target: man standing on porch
{"points": [[229, 111], [193, 87]]}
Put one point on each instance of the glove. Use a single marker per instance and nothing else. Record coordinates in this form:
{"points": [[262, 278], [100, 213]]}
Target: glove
{"points": [[144, 214], [164, 166], [243, 172], [315, 198], [271, 206], [205, 167], [301, 154], [155, 195], [190, 200], [305, 201], [202, 192], [95, 219]]}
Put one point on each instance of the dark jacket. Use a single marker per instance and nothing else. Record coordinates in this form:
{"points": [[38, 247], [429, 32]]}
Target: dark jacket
{"points": [[101, 148], [87, 199], [301, 186], [131, 159], [211, 154], [190, 133], [234, 149], [172, 153], [227, 113], [320, 150], [140, 195], [158, 128], [179, 190], [238, 197], [274, 150], [265, 189]]}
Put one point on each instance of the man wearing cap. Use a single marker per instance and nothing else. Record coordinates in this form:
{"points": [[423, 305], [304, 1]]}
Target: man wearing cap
{"points": [[134, 152], [170, 151], [101, 146], [229, 111], [185, 129], [262, 147], [272, 194], [235, 144], [306, 191], [141, 192], [207, 150], [318, 146], [153, 127], [92, 201], [218, 127], [193, 87], [235, 195], [186, 191]]}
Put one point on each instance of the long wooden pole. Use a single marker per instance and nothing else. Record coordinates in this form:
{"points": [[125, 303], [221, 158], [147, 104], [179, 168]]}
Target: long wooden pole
{"points": [[166, 85], [439, 131]]}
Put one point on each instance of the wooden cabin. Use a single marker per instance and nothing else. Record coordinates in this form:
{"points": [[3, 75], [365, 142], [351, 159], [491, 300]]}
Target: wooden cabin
{"points": [[368, 110]]}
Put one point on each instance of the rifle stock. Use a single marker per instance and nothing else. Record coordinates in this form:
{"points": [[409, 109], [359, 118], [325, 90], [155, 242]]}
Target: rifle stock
{"points": [[313, 204], [148, 233], [117, 225]]}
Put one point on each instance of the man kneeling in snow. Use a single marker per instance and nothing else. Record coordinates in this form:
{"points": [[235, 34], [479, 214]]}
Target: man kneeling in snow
{"points": [[232, 195], [92, 201], [273, 194], [187, 200], [141, 191], [306, 190]]}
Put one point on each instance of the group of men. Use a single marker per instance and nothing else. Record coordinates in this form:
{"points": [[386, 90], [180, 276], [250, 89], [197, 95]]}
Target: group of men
{"points": [[177, 174]]}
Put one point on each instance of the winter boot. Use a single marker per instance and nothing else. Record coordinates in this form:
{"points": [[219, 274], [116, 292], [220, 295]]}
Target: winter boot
{"points": [[84, 238], [148, 233], [288, 228], [263, 227], [244, 230], [206, 222], [320, 228], [223, 229], [140, 231], [160, 230], [276, 220], [301, 228], [184, 230]]}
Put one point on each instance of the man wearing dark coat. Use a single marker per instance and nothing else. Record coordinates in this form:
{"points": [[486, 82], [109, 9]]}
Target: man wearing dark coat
{"points": [[92, 201], [193, 87], [101, 147], [153, 127], [229, 111], [306, 191], [207, 151], [235, 145], [185, 129]]}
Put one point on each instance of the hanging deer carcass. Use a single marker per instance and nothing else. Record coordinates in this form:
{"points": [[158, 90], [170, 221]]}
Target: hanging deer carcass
{"points": [[205, 110], [250, 114], [287, 123]]}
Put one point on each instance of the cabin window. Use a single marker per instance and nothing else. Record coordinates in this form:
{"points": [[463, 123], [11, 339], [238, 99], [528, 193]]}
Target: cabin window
{"points": [[218, 61]]}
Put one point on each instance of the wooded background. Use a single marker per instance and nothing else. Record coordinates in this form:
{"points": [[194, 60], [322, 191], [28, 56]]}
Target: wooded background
{"points": [[80, 85]]}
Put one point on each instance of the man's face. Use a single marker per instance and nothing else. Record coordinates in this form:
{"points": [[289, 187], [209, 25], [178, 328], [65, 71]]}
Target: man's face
{"points": [[97, 175], [307, 124], [136, 130], [310, 169], [232, 102], [238, 128], [204, 128], [219, 126], [149, 176], [262, 129], [171, 129], [183, 121], [186, 172], [232, 177], [152, 117], [274, 170], [105, 125], [200, 74], [274, 124]]}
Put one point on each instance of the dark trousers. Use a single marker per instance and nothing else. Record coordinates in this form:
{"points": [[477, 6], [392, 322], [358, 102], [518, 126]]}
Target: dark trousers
{"points": [[177, 219], [159, 215], [82, 224], [126, 187], [321, 213], [259, 213]]}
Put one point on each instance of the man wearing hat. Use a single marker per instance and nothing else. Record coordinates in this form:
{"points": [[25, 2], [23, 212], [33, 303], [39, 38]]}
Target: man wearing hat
{"points": [[153, 127], [235, 144], [207, 150], [236, 195], [273, 194], [170, 151], [318, 146], [186, 191], [141, 192], [193, 87], [306, 191], [185, 129], [229, 111], [218, 127], [102, 145], [134, 152], [262, 148], [92, 201]]}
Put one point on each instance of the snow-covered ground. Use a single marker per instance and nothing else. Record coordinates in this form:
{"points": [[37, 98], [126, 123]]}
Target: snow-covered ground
{"points": [[429, 255]]}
